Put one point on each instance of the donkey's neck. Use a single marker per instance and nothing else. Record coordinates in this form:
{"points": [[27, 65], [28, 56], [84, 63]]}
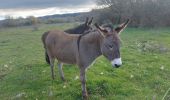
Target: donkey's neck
{"points": [[90, 47]]}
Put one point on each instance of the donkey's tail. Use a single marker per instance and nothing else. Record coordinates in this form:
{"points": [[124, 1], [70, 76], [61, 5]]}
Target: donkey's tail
{"points": [[43, 38], [47, 58]]}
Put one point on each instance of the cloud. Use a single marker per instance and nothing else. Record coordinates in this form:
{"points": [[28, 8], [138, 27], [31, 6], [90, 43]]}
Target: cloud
{"points": [[24, 8], [42, 12], [12, 4]]}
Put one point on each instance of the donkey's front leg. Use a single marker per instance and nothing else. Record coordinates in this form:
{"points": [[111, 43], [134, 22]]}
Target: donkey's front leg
{"points": [[60, 65], [83, 82]]}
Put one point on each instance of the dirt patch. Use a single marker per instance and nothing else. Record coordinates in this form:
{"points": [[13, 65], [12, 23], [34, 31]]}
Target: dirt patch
{"points": [[152, 47], [5, 41], [2, 76]]}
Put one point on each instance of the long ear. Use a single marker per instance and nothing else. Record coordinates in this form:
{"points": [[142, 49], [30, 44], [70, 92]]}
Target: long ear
{"points": [[122, 26], [102, 31], [87, 19], [90, 21]]}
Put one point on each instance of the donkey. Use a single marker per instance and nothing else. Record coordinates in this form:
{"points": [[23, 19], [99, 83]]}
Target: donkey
{"points": [[83, 28], [103, 41]]}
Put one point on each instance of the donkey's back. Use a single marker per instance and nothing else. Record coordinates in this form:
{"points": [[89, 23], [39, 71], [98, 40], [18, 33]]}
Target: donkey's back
{"points": [[61, 46]]}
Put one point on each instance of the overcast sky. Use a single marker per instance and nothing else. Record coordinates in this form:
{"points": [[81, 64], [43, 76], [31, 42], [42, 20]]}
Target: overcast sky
{"points": [[23, 8]]}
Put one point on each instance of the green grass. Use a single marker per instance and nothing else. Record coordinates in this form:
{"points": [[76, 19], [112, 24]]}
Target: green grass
{"points": [[145, 74]]}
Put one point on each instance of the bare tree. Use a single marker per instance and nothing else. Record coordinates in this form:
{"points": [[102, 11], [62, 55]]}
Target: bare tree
{"points": [[34, 22], [143, 13]]}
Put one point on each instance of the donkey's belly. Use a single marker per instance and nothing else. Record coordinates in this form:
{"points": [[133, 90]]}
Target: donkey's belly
{"points": [[66, 56], [66, 60]]}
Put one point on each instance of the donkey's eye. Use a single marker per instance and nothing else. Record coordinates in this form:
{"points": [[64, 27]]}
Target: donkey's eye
{"points": [[105, 31], [110, 47]]}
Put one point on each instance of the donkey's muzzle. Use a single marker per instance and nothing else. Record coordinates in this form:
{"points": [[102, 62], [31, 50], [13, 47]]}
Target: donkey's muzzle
{"points": [[116, 62]]}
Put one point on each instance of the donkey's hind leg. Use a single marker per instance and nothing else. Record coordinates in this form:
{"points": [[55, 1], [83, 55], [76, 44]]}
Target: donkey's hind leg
{"points": [[60, 65], [52, 67]]}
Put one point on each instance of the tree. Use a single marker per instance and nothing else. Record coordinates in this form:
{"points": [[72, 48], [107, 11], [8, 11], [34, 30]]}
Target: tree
{"points": [[143, 13], [9, 22], [34, 22]]}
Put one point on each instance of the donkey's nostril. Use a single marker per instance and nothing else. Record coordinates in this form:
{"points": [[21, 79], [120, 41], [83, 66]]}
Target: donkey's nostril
{"points": [[117, 66]]}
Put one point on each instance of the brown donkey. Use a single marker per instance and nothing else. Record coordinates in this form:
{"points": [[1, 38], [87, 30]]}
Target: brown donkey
{"points": [[103, 41]]}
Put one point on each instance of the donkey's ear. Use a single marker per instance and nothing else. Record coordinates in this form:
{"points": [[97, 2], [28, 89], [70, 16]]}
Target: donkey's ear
{"points": [[122, 26], [87, 19], [90, 21], [102, 30]]}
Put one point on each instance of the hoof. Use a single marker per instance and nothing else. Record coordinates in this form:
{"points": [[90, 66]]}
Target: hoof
{"points": [[53, 77], [85, 96], [63, 79]]}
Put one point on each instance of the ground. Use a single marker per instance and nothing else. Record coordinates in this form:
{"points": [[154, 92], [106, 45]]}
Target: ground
{"points": [[145, 74]]}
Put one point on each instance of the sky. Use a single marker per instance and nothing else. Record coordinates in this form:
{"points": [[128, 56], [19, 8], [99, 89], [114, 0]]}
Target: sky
{"points": [[25, 8]]}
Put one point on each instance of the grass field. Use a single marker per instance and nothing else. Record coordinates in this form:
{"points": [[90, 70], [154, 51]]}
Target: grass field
{"points": [[145, 74]]}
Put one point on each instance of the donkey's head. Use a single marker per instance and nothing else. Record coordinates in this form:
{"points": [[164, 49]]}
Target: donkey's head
{"points": [[110, 45], [86, 26]]}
